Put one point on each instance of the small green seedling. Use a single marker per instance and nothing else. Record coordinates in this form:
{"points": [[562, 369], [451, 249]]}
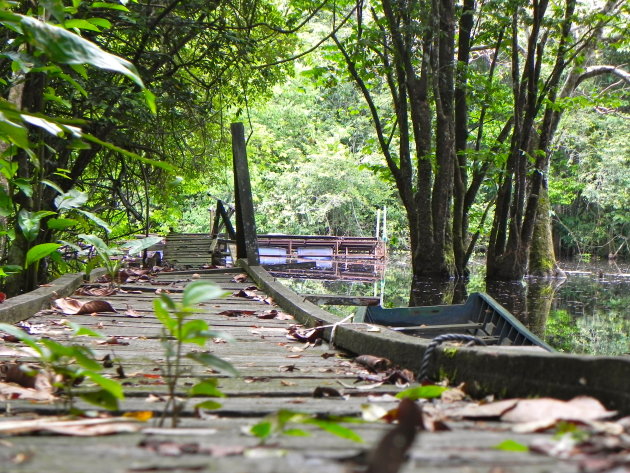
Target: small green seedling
{"points": [[109, 256], [66, 365], [178, 330], [281, 423]]}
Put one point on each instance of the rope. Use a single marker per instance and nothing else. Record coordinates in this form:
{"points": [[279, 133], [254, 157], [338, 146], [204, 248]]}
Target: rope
{"points": [[447, 337]]}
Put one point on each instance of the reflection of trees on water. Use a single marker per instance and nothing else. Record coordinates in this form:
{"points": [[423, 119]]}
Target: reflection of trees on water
{"points": [[529, 301], [427, 291]]}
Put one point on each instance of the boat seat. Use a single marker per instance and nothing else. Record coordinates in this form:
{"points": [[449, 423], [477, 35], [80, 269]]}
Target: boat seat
{"points": [[440, 328]]}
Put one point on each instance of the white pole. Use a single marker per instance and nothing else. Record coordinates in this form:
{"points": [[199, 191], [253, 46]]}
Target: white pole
{"points": [[378, 222], [384, 223]]}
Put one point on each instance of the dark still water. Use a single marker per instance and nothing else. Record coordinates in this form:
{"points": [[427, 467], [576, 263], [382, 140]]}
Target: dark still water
{"points": [[587, 313]]}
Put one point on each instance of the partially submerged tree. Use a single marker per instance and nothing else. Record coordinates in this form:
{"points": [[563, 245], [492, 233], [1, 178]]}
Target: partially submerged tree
{"points": [[429, 58]]}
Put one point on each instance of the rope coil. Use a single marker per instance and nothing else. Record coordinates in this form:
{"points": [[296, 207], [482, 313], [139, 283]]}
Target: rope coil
{"points": [[447, 337]]}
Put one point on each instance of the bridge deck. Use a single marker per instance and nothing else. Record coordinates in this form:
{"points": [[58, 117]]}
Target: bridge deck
{"points": [[277, 372]]}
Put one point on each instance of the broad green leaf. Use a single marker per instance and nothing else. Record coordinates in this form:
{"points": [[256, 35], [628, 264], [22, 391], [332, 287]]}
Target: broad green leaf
{"points": [[80, 331], [209, 405], [21, 335], [46, 125], [97, 220], [108, 384], [192, 332], [24, 185], [52, 185], [29, 222], [54, 7], [162, 314], [168, 302], [208, 359], [200, 291], [40, 251], [422, 392], [296, 432], [71, 200], [99, 244], [149, 98], [110, 6], [512, 446], [206, 388], [61, 223], [102, 398], [102, 22], [336, 429], [65, 47], [136, 246], [262, 430], [81, 24], [13, 132]]}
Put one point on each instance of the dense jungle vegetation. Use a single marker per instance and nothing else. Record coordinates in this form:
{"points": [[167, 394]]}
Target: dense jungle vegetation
{"points": [[481, 126]]}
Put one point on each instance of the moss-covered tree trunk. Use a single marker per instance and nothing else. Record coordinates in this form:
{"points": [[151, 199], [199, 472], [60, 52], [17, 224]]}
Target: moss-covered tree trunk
{"points": [[542, 258]]}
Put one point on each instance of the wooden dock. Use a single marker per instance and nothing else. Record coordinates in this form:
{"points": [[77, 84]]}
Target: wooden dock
{"points": [[277, 372], [335, 258]]}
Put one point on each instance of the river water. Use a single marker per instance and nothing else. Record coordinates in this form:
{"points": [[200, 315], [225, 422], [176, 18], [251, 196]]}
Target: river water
{"points": [[586, 313]]}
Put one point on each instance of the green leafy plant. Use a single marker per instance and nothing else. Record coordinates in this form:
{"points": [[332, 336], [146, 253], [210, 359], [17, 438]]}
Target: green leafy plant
{"points": [[110, 256], [67, 365], [281, 423], [179, 330]]}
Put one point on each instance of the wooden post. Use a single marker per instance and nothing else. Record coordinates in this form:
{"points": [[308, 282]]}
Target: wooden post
{"points": [[246, 242]]}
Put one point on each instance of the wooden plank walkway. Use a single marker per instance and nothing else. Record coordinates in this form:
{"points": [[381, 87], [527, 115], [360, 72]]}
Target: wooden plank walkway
{"points": [[276, 373]]}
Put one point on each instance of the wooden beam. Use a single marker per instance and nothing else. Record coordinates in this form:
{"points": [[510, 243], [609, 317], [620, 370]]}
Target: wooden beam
{"points": [[332, 299], [246, 242]]}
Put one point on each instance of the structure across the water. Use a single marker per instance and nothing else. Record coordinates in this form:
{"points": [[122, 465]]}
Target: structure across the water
{"points": [[334, 257]]}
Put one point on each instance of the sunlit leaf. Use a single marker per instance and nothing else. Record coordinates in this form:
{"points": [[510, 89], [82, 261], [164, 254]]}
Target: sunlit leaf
{"points": [[81, 24], [206, 388], [71, 200], [40, 251], [97, 220], [262, 429], [209, 405], [511, 446], [65, 47], [162, 314], [200, 291], [110, 6], [208, 359], [336, 429], [421, 392], [136, 246], [61, 223], [296, 432], [108, 384]]}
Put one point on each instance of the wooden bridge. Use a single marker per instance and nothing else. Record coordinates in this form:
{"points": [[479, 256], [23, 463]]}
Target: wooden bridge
{"points": [[292, 356]]}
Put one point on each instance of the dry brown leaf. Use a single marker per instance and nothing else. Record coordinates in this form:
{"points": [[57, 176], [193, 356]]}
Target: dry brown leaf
{"points": [[96, 291], [11, 391], [242, 277], [63, 426], [71, 306], [132, 313], [485, 411], [236, 312], [582, 408], [373, 363]]}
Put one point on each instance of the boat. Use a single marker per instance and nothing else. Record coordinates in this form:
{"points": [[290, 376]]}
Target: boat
{"points": [[481, 316]]}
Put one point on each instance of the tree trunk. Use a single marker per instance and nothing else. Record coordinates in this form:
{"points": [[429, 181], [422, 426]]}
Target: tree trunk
{"points": [[542, 258]]}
